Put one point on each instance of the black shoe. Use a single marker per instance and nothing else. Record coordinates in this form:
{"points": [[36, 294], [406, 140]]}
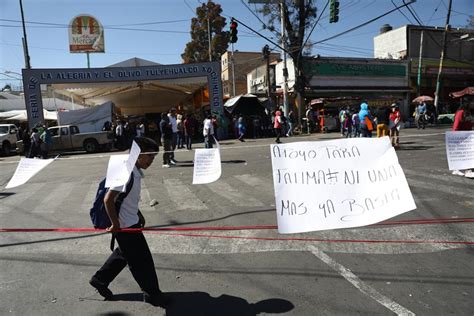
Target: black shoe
{"points": [[101, 288], [161, 300]]}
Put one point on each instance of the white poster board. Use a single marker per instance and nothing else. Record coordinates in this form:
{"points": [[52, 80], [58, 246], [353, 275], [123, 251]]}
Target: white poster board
{"points": [[26, 169], [460, 149], [121, 166], [207, 165], [337, 184]]}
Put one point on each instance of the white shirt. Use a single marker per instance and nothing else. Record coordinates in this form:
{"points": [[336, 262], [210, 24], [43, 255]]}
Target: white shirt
{"points": [[140, 130], [119, 130], [173, 122], [128, 214], [208, 127]]}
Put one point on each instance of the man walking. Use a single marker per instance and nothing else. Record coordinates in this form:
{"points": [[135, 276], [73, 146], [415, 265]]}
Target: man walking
{"points": [[208, 131], [132, 248], [166, 139], [174, 127]]}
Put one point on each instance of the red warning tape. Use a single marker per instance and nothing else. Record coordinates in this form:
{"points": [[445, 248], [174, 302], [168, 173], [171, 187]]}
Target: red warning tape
{"points": [[165, 230], [424, 221]]}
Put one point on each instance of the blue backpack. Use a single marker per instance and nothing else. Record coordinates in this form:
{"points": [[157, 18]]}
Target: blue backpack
{"points": [[99, 217]]}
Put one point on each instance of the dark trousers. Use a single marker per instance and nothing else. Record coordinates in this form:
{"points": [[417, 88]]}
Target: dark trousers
{"points": [[174, 142], [132, 250], [167, 150]]}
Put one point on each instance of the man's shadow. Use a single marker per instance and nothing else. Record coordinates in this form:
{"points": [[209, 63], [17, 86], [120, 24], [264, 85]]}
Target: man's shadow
{"points": [[201, 303]]}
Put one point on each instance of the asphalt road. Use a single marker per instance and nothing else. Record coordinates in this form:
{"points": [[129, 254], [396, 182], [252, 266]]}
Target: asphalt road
{"points": [[405, 268]]}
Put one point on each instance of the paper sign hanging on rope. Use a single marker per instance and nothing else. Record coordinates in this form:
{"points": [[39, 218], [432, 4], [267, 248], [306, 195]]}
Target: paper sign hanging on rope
{"points": [[121, 166], [460, 149], [337, 184], [26, 169], [207, 165]]}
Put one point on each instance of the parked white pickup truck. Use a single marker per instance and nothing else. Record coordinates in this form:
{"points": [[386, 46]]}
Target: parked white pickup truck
{"points": [[68, 137], [7, 138]]}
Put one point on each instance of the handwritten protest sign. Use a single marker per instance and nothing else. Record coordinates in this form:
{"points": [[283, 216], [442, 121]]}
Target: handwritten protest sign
{"points": [[460, 149], [121, 166], [337, 184], [26, 169], [207, 165]]}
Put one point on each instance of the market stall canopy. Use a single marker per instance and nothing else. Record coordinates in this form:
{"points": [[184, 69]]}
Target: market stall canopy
{"points": [[136, 97], [245, 104], [458, 94], [422, 98]]}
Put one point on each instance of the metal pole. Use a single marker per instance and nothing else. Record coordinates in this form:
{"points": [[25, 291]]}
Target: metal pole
{"points": [[209, 36], [233, 69], [443, 52], [269, 82], [88, 60], [419, 64], [285, 69], [25, 41]]}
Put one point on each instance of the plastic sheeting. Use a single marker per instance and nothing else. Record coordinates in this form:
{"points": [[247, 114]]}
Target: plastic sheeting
{"points": [[89, 119]]}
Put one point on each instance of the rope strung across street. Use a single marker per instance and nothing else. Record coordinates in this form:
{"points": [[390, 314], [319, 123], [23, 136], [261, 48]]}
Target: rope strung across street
{"points": [[167, 230]]}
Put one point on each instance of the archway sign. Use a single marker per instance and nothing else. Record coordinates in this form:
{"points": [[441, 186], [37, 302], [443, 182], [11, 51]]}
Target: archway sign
{"points": [[34, 78]]}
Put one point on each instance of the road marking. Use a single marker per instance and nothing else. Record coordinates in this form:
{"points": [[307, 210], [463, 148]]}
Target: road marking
{"points": [[145, 198], [255, 182], [55, 198], [90, 196], [361, 286], [439, 176], [436, 187], [182, 196], [21, 196], [231, 194]]}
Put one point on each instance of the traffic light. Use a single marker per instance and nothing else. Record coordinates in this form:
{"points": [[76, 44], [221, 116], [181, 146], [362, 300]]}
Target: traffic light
{"points": [[334, 11], [233, 32]]}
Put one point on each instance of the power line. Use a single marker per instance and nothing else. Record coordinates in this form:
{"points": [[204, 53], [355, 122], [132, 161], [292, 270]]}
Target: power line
{"points": [[362, 25], [402, 12]]}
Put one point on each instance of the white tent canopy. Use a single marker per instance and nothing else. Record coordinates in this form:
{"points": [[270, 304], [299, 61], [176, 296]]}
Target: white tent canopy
{"points": [[135, 97], [20, 115]]}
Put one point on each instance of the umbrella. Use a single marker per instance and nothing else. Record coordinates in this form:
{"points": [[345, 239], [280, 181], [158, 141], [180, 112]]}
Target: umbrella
{"points": [[458, 94], [422, 98], [247, 104]]}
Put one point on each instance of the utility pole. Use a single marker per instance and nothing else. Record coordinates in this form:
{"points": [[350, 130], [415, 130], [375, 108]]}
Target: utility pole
{"points": [[266, 56], [443, 52], [285, 68], [25, 42], [209, 36], [419, 64], [233, 69]]}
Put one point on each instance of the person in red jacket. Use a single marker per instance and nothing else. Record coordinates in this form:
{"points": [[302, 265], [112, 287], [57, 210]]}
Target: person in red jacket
{"points": [[394, 125], [277, 125], [462, 119]]}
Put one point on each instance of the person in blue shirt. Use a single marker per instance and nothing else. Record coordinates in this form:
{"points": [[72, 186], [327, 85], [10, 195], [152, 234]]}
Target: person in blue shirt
{"points": [[366, 125], [420, 113]]}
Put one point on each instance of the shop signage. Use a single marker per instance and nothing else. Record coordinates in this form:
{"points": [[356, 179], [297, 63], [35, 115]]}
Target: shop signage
{"points": [[86, 35], [347, 69]]}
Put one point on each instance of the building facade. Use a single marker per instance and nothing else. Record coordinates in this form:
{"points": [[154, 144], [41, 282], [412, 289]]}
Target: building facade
{"points": [[410, 42], [244, 62]]}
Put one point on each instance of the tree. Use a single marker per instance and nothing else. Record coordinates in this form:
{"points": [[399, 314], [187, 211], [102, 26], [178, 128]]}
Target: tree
{"points": [[7, 87], [197, 50], [299, 16], [470, 22]]}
